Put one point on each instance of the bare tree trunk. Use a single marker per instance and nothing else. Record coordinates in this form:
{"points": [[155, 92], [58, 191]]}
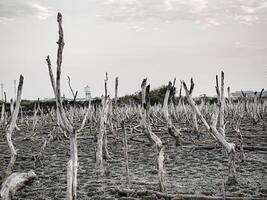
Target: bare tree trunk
{"points": [[99, 152], [195, 125], [35, 119], [106, 90], [125, 150], [230, 147], [66, 125], [72, 168], [240, 138], [2, 120], [221, 103], [11, 127], [101, 145], [11, 106], [221, 122], [160, 151], [174, 132], [152, 136], [21, 115], [116, 90]]}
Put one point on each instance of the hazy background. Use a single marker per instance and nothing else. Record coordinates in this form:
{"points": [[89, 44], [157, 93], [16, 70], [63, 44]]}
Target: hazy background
{"points": [[133, 39]]}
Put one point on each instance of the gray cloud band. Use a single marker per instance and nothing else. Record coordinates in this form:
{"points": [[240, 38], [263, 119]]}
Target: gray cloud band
{"points": [[14, 9], [200, 11]]}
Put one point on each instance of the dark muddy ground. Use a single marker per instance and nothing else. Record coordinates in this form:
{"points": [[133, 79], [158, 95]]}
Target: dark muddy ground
{"points": [[188, 171]]}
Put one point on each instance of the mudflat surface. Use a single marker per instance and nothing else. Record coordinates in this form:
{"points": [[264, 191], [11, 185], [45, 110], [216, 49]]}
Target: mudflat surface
{"points": [[187, 170]]}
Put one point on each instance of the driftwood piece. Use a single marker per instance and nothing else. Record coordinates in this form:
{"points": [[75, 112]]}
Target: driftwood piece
{"points": [[139, 193], [14, 182], [193, 197], [160, 195], [210, 147]]}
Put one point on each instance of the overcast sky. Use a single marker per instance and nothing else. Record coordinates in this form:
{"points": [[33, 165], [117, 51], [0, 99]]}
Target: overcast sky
{"points": [[133, 39]]}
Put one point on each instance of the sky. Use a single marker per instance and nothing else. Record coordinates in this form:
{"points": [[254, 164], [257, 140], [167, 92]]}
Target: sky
{"points": [[133, 39]]}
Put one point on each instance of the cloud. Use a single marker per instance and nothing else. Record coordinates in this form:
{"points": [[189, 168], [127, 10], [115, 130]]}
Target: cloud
{"points": [[204, 12], [14, 9]]}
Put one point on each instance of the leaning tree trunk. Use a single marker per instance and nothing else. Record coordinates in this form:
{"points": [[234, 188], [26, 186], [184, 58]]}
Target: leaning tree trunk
{"points": [[230, 147], [11, 127]]}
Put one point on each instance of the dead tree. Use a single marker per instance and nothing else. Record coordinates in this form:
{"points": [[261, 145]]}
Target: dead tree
{"points": [[11, 106], [236, 113], [35, 117], [66, 125], [11, 127], [173, 131], [116, 89], [116, 117], [2, 120], [221, 103], [152, 136], [14, 181], [105, 84], [230, 147], [125, 150], [101, 142]]}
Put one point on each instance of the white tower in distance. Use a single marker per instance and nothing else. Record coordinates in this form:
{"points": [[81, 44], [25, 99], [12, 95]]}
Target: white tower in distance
{"points": [[87, 92]]}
